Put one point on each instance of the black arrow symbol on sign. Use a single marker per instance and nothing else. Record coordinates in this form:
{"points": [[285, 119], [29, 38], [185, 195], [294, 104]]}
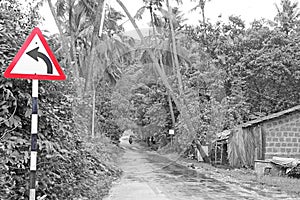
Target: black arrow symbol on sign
{"points": [[34, 53]]}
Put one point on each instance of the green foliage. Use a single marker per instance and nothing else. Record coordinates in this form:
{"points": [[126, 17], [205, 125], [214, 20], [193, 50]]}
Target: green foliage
{"points": [[287, 17], [66, 167], [107, 121], [15, 25], [274, 77], [15, 101], [151, 109], [90, 57], [231, 73], [258, 68]]}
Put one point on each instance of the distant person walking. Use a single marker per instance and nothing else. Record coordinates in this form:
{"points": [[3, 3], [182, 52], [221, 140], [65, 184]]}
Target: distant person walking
{"points": [[152, 140], [130, 139], [148, 141]]}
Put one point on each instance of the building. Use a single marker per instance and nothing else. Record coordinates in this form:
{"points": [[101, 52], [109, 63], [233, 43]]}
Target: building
{"points": [[277, 134]]}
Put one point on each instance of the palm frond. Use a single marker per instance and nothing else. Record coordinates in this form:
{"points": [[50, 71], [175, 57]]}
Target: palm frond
{"points": [[139, 13]]}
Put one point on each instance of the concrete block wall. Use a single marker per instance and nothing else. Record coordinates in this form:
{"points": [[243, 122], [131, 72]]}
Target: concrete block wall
{"points": [[282, 137]]}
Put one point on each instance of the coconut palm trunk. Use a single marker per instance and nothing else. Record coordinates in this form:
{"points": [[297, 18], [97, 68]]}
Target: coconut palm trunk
{"points": [[180, 84]]}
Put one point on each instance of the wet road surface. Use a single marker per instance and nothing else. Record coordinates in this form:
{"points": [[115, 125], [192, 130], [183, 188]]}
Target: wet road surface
{"points": [[149, 176]]}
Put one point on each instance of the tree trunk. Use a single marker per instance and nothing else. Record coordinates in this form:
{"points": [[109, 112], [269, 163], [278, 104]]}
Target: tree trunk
{"points": [[95, 38], [184, 108], [72, 45], [93, 112], [171, 111], [202, 5], [169, 96], [202, 153]]}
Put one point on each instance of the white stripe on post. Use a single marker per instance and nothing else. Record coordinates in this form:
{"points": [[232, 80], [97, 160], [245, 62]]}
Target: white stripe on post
{"points": [[34, 123], [33, 156], [35, 88], [32, 194]]}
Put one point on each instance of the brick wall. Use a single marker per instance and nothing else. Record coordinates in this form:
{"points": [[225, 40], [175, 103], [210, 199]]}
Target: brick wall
{"points": [[282, 137]]}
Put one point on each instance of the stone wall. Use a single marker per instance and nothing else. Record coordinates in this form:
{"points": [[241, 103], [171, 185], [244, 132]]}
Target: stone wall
{"points": [[282, 136]]}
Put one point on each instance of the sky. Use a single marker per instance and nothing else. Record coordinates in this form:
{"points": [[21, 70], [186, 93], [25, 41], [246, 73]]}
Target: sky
{"points": [[248, 10]]}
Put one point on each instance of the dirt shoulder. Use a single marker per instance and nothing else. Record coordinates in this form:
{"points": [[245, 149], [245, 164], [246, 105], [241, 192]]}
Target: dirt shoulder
{"points": [[246, 178]]}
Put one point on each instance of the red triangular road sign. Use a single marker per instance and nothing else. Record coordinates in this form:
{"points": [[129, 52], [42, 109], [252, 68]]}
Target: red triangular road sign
{"points": [[35, 60]]}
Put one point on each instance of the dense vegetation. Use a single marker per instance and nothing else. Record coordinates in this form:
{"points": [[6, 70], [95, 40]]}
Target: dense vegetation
{"points": [[198, 80], [70, 165], [231, 73]]}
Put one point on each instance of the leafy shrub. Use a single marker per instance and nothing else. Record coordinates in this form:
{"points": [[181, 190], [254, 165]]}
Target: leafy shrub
{"points": [[65, 167]]}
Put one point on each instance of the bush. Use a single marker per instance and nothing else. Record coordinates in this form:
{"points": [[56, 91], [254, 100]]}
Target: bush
{"points": [[66, 169]]}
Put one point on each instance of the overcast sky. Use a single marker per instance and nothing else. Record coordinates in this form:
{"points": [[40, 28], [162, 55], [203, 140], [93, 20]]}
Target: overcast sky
{"points": [[247, 9]]}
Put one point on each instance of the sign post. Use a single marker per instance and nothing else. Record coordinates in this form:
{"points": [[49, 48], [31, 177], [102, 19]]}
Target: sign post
{"points": [[34, 61], [34, 131]]}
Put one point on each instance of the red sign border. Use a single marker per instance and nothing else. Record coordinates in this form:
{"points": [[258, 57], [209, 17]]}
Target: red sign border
{"points": [[35, 31]]}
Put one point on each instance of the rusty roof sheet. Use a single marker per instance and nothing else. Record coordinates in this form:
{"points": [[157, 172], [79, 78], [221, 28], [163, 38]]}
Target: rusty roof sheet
{"points": [[224, 135], [271, 116]]}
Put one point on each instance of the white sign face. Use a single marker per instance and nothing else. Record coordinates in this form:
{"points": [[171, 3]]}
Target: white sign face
{"points": [[29, 65], [171, 132]]}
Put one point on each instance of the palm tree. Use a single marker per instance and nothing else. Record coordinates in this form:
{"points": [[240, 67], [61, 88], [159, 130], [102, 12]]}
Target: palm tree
{"points": [[89, 55]]}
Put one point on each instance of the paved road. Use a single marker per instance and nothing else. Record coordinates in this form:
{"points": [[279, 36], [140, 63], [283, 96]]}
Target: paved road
{"points": [[149, 176]]}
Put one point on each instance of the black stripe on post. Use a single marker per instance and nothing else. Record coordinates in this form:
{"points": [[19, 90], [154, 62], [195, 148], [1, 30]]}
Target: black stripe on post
{"points": [[34, 142], [32, 179], [34, 105]]}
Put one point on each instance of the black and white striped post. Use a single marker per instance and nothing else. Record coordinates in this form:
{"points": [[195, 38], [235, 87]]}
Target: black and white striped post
{"points": [[34, 132]]}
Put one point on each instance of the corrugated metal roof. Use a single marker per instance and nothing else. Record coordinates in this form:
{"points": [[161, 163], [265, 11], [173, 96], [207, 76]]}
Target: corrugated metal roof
{"points": [[271, 116], [224, 135]]}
